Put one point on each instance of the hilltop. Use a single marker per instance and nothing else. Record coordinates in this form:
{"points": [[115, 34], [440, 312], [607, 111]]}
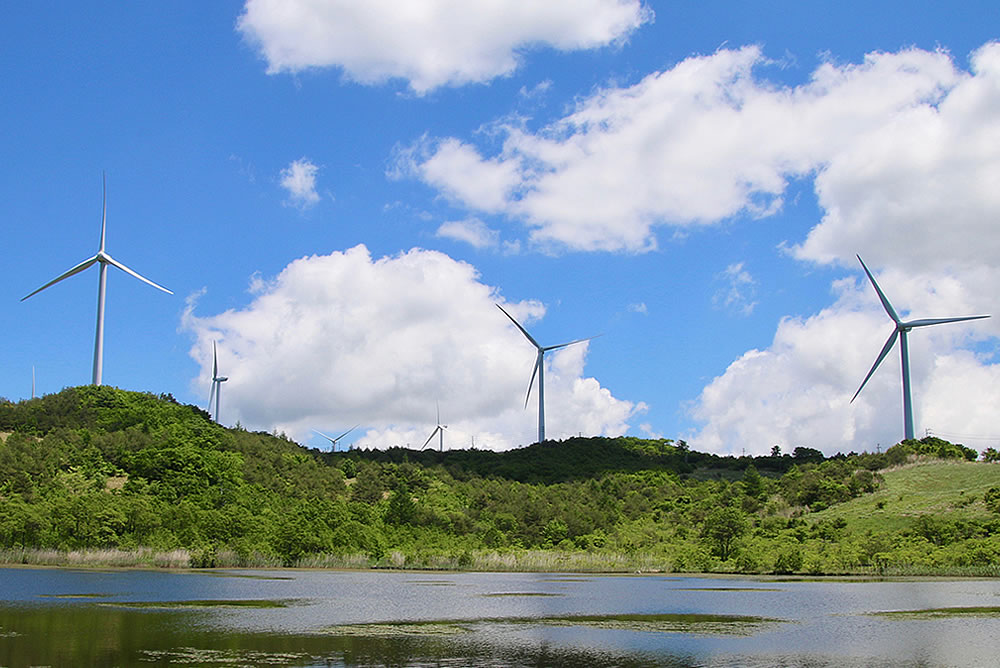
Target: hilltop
{"points": [[102, 475]]}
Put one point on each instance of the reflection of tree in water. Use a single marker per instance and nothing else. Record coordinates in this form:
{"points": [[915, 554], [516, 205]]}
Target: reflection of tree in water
{"points": [[88, 634]]}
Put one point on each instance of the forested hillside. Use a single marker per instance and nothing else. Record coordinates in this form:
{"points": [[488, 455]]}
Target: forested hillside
{"points": [[141, 479]]}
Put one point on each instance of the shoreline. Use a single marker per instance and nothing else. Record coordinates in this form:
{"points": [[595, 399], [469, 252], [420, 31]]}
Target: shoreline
{"points": [[526, 561]]}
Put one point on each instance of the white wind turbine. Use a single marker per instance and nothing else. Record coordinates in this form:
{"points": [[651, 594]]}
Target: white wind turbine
{"points": [[333, 441], [438, 431], [901, 330], [539, 370], [103, 259], [217, 382]]}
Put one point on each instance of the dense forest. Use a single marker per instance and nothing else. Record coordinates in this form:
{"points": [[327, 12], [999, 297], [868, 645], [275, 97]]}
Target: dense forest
{"points": [[133, 478]]}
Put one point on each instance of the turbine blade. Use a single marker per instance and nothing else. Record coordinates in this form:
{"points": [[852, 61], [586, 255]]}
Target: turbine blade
{"points": [[938, 321], [523, 330], [332, 440], [563, 345], [881, 295], [215, 362], [347, 432], [75, 270], [104, 209], [112, 261], [885, 351], [433, 434], [211, 396], [534, 372]]}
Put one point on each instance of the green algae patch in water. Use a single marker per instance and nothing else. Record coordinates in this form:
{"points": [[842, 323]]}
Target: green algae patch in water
{"points": [[727, 589], [207, 657], [519, 593], [221, 603], [376, 629], [934, 613], [701, 624], [739, 625]]}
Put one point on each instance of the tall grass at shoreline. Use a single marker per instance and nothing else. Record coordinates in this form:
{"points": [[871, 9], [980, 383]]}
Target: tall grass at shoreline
{"points": [[516, 561]]}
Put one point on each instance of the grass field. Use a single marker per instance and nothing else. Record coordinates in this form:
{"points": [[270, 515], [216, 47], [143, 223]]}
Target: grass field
{"points": [[946, 489]]}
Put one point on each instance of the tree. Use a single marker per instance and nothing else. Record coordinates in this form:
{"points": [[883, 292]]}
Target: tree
{"points": [[753, 484], [992, 499], [722, 527]]}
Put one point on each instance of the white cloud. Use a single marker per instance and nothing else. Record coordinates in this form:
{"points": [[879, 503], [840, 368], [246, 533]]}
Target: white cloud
{"points": [[798, 391], [340, 339], [923, 181], [299, 179], [473, 232], [429, 43], [704, 141]]}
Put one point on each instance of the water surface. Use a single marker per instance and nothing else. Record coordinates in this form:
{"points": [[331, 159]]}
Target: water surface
{"points": [[345, 618]]}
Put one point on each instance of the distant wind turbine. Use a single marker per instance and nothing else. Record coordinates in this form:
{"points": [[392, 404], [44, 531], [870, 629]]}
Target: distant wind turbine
{"points": [[217, 382], [438, 431], [103, 259], [333, 441], [539, 370], [901, 330]]}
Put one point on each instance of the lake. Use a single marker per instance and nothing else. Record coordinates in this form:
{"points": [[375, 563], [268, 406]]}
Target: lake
{"points": [[64, 617]]}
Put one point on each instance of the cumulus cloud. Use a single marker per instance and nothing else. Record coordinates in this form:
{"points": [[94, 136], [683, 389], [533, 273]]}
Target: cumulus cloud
{"points": [[915, 199], [704, 141], [798, 391], [299, 179], [340, 339], [428, 43], [925, 180], [473, 232]]}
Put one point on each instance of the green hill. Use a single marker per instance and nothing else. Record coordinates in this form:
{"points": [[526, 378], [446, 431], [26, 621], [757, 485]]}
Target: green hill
{"points": [[103, 476]]}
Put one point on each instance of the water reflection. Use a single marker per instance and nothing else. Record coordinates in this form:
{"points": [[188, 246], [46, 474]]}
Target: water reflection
{"points": [[325, 618]]}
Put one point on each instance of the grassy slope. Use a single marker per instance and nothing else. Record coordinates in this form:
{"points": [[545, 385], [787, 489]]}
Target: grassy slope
{"points": [[946, 489]]}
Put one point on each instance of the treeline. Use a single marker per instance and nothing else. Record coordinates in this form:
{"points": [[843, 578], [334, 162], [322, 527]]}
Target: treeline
{"points": [[97, 467]]}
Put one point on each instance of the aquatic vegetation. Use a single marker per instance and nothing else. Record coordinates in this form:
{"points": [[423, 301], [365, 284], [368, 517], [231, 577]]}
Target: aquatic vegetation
{"points": [[205, 657], [973, 611], [504, 594], [222, 603], [701, 624]]}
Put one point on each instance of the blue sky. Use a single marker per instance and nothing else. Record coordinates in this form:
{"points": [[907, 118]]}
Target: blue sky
{"points": [[339, 194]]}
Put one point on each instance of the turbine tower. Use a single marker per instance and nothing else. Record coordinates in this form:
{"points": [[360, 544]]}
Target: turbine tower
{"points": [[103, 259], [901, 330], [217, 382], [333, 441], [438, 431], [539, 370]]}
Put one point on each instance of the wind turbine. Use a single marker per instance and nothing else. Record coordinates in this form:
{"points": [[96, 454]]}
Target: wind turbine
{"points": [[217, 382], [103, 259], [539, 370], [333, 441], [438, 431], [901, 330]]}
